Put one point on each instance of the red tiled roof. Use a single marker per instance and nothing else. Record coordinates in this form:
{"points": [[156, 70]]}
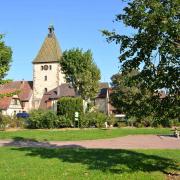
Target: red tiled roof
{"points": [[5, 102], [23, 89], [6, 91], [26, 91]]}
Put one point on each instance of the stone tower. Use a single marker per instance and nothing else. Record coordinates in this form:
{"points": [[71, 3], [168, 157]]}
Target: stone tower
{"points": [[47, 73]]}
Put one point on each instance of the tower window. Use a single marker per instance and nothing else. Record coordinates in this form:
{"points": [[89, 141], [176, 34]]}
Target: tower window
{"points": [[42, 68], [46, 67], [45, 78], [45, 90]]}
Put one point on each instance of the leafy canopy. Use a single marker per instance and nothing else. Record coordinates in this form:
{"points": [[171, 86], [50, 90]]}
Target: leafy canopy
{"points": [[128, 98], [5, 59], [154, 47], [81, 71]]}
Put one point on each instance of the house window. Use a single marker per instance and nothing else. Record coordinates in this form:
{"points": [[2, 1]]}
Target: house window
{"points": [[42, 68], [50, 67], [15, 102], [45, 78], [45, 90]]}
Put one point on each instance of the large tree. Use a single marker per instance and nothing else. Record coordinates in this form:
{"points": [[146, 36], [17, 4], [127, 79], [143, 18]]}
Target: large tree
{"points": [[5, 60], [128, 97], [81, 71], [153, 47]]}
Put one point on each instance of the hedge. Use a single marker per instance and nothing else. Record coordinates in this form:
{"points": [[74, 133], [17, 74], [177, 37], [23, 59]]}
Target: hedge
{"points": [[67, 106]]}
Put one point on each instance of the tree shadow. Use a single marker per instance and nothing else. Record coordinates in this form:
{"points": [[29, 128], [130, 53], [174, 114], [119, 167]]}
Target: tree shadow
{"points": [[30, 143], [105, 160]]}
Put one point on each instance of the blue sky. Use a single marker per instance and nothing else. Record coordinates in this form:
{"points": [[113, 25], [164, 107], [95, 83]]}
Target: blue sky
{"points": [[77, 24]]}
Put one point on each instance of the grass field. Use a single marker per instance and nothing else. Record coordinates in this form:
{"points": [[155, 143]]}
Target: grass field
{"points": [[89, 134], [38, 163]]}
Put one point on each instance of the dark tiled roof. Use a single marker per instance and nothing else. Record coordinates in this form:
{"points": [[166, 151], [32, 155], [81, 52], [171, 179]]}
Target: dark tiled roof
{"points": [[103, 88], [64, 90], [50, 50], [103, 85]]}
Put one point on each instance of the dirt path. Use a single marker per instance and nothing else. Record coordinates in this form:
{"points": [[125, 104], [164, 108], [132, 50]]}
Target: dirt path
{"points": [[127, 142]]}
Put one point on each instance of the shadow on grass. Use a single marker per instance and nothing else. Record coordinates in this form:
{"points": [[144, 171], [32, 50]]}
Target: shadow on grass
{"points": [[105, 160]]}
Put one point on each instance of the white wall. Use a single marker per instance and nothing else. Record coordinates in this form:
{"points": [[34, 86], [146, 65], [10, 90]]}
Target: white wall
{"points": [[13, 108], [54, 78]]}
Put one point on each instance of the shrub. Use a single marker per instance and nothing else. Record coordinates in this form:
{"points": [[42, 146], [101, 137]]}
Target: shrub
{"points": [[121, 124], [4, 121], [93, 119], [17, 122], [35, 119], [131, 121], [164, 122], [49, 120], [63, 122], [42, 119], [67, 106], [10, 122], [111, 120]]}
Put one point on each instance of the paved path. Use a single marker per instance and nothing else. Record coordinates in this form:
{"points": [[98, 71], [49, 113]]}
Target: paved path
{"points": [[127, 142]]}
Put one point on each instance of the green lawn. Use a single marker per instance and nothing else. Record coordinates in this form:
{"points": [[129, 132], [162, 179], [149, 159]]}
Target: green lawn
{"points": [[39, 163], [50, 135]]}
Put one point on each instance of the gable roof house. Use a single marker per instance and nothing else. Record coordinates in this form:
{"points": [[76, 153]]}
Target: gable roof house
{"points": [[49, 99], [20, 101]]}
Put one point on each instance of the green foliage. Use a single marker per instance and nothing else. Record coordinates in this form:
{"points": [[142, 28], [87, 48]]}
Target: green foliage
{"points": [[67, 106], [121, 124], [42, 119], [128, 97], [153, 47], [81, 72], [5, 59], [63, 122], [93, 119], [4, 121], [111, 120], [10, 122]]}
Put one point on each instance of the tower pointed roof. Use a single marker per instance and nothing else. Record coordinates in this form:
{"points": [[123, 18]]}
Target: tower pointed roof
{"points": [[50, 50]]}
